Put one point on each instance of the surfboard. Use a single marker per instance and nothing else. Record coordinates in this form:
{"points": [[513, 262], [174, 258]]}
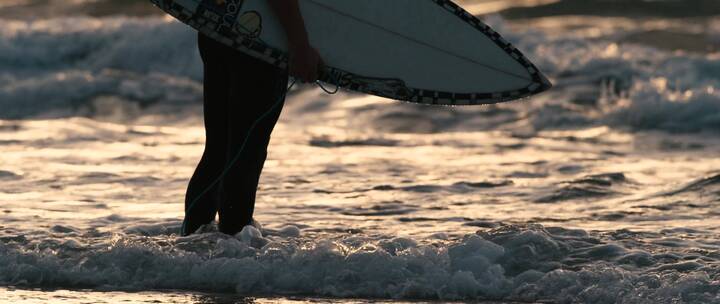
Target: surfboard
{"points": [[420, 51]]}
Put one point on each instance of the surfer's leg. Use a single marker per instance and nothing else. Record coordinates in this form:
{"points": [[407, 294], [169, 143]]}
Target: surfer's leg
{"points": [[201, 200], [256, 103]]}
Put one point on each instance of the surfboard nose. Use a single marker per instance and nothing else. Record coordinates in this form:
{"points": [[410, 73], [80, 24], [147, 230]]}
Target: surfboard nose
{"points": [[545, 83]]}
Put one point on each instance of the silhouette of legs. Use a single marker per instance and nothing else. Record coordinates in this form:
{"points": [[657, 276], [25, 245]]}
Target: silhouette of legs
{"points": [[243, 99]]}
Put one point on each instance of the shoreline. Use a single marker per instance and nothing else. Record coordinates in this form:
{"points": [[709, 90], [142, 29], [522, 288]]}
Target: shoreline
{"points": [[21, 295]]}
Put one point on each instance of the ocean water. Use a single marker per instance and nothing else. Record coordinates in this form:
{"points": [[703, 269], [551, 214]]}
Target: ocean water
{"points": [[604, 190]]}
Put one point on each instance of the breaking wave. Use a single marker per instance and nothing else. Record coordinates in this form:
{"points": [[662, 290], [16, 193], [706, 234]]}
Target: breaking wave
{"points": [[62, 66], [511, 262]]}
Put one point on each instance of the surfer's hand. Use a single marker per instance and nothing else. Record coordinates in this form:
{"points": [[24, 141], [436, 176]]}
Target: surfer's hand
{"points": [[305, 62]]}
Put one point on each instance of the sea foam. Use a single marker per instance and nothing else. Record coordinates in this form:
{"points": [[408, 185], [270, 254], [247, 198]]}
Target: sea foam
{"points": [[516, 262]]}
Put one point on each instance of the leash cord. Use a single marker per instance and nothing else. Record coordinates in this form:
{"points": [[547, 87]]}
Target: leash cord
{"points": [[235, 159]]}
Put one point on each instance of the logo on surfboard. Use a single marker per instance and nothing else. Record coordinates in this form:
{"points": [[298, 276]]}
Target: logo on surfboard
{"points": [[231, 18]]}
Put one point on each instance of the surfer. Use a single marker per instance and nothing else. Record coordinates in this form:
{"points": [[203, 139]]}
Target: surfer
{"points": [[243, 99]]}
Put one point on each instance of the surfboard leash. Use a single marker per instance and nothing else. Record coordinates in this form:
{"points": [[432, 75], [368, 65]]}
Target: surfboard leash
{"points": [[227, 168], [242, 148], [337, 87], [247, 138]]}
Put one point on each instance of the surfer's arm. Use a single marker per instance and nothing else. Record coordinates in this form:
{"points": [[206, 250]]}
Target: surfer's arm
{"points": [[304, 59], [288, 12]]}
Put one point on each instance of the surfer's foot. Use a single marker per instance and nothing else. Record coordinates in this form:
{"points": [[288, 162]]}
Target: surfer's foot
{"points": [[194, 224], [233, 228]]}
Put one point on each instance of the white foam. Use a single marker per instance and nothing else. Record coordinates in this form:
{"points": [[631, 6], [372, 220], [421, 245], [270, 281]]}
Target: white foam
{"points": [[512, 263], [65, 63]]}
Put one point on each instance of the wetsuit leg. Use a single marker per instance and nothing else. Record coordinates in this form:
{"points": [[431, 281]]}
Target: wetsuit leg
{"points": [[201, 202], [243, 98], [256, 100]]}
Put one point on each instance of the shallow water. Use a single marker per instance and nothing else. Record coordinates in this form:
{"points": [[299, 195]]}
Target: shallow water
{"points": [[100, 297], [604, 190]]}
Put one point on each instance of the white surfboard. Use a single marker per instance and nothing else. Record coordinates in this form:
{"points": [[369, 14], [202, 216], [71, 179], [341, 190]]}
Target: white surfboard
{"points": [[422, 51]]}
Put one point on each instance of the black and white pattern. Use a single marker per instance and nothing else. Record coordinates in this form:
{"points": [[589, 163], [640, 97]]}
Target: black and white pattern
{"points": [[217, 19]]}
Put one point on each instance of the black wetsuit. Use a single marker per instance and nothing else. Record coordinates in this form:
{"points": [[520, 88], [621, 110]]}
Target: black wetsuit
{"points": [[239, 95]]}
